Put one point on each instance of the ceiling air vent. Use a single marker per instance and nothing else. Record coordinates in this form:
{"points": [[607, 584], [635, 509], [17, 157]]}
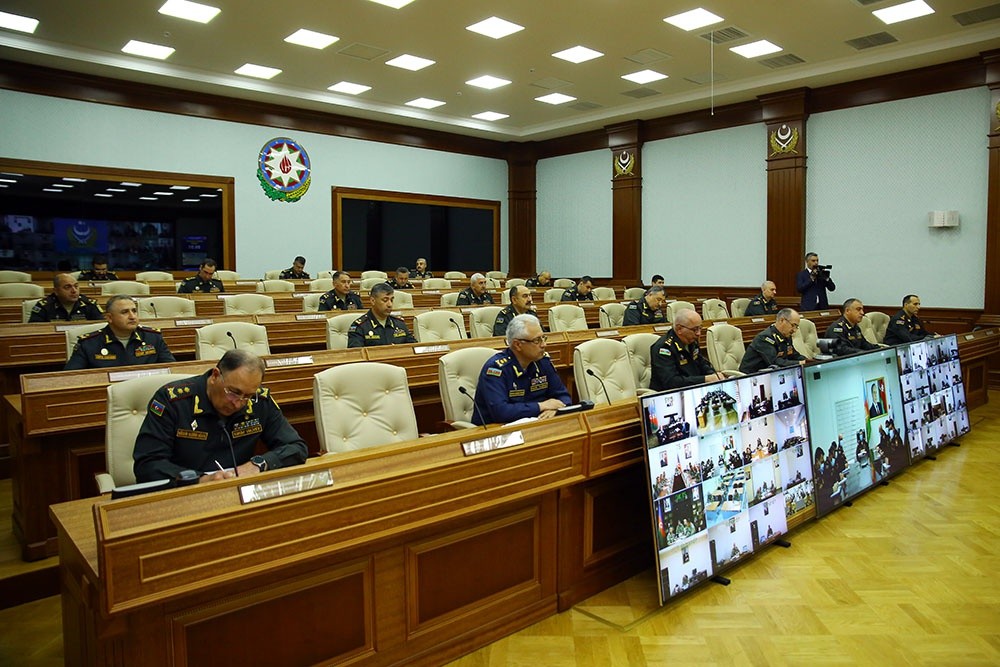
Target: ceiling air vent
{"points": [[781, 61], [639, 93], [865, 3], [704, 78], [363, 51], [868, 41], [981, 15], [647, 56], [725, 35], [551, 83], [584, 106]]}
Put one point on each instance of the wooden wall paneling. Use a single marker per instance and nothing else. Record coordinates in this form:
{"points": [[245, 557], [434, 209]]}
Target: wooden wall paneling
{"points": [[522, 196], [625, 142], [992, 278]]}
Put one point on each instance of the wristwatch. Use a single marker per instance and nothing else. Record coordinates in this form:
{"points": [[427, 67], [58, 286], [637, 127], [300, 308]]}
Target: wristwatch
{"points": [[260, 462]]}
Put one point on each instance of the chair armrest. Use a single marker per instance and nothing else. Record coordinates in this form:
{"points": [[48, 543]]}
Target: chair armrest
{"points": [[642, 391], [105, 483], [732, 374]]}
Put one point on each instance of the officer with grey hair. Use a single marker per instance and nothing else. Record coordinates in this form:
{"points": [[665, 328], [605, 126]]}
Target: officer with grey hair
{"points": [[475, 294]]}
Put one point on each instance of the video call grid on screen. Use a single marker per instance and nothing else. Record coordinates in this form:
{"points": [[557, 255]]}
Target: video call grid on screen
{"points": [[855, 412], [728, 465], [933, 394]]}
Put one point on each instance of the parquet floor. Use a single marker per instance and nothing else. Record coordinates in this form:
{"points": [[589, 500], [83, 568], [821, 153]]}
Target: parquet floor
{"points": [[907, 576]]}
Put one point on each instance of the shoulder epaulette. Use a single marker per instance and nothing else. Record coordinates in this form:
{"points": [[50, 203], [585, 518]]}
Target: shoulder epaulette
{"points": [[90, 334], [151, 329], [177, 392]]}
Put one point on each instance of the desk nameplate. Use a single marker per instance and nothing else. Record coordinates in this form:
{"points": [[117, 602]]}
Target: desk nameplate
{"points": [[285, 486]]}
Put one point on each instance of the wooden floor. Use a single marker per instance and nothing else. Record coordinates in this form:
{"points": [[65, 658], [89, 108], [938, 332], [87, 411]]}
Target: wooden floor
{"points": [[907, 576]]}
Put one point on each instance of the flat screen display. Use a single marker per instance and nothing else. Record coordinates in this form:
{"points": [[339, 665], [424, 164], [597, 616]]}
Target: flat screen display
{"points": [[728, 465], [933, 394], [855, 411]]}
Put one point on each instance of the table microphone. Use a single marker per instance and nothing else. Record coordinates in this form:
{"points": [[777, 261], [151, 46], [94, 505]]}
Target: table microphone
{"points": [[152, 306], [461, 332], [465, 392], [229, 441], [594, 375], [230, 334]]}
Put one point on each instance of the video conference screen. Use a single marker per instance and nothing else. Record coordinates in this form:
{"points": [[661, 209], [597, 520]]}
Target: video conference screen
{"points": [[856, 418], [728, 465], [933, 394]]}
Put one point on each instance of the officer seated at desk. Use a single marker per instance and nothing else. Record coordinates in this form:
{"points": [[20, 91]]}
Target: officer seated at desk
{"points": [[65, 303], [378, 326], [124, 342], [98, 270], [202, 282]]}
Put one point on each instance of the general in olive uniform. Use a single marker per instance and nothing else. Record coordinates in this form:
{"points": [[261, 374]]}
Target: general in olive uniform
{"points": [[582, 291], [773, 346], [98, 270], [102, 349], [340, 297], [763, 303], [296, 271], [476, 293], [846, 332], [65, 303], [203, 282], [648, 309], [420, 271], [378, 326], [402, 279], [905, 326], [675, 364]]}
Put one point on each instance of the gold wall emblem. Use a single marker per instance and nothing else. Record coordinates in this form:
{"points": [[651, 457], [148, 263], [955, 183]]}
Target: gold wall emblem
{"points": [[784, 140], [624, 164]]}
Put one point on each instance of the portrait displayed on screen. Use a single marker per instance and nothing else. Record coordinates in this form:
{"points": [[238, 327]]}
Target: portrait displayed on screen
{"points": [[728, 467], [855, 415], [933, 394]]}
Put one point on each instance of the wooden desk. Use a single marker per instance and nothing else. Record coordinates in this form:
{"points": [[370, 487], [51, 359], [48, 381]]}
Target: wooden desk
{"points": [[414, 556]]}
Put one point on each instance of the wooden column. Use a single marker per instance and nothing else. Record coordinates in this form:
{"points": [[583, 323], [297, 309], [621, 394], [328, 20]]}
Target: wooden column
{"points": [[625, 142], [521, 198], [785, 116], [992, 277]]}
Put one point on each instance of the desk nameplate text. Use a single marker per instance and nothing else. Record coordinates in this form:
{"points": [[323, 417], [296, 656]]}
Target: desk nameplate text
{"points": [[285, 486], [492, 443]]}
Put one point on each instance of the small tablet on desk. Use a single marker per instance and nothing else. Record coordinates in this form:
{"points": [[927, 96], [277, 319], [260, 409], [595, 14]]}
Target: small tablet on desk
{"points": [[576, 407]]}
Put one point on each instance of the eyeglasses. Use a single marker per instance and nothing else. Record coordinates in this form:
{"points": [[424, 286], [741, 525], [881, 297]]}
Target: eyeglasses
{"points": [[536, 341], [695, 329], [234, 395]]}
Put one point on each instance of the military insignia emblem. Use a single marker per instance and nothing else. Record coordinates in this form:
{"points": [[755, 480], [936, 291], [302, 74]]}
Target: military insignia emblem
{"points": [[784, 140], [284, 170], [157, 408], [624, 164], [495, 372]]}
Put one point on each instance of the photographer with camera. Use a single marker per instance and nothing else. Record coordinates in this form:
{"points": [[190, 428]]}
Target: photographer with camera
{"points": [[813, 282]]}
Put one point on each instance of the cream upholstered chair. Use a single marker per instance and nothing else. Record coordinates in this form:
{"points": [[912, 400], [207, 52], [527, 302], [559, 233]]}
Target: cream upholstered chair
{"points": [[321, 285], [880, 322], [76, 274], [213, 340], [564, 283], [497, 275], [402, 300], [461, 369], [73, 334], [273, 275], [381, 275], [867, 330], [567, 317], [611, 315], [553, 295], [362, 405], [455, 275], [436, 283], [604, 293], [514, 282], [437, 325], [155, 276], [323, 274], [482, 319], [222, 274], [155, 307], [130, 287], [337, 328], [714, 309], [22, 290], [805, 339], [638, 355], [449, 300], [492, 283], [674, 306], [739, 306], [368, 283], [26, 308], [127, 402], [608, 360], [633, 293], [310, 303], [248, 304], [725, 347], [14, 277], [505, 297], [275, 286]]}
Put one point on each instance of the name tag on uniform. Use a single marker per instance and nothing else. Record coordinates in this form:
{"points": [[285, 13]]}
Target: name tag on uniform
{"points": [[247, 428], [145, 351], [514, 393], [106, 357], [192, 435]]}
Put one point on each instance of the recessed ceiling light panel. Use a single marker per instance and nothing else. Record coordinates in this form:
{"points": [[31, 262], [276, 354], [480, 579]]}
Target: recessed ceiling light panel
{"points": [[349, 88], [644, 77], [19, 23], [258, 71], [490, 116], [412, 63], [694, 19], [578, 54], [755, 49], [488, 82], [903, 12], [495, 27], [555, 98], [192, 11], [425, 103], [147, 50], [311, 38]]}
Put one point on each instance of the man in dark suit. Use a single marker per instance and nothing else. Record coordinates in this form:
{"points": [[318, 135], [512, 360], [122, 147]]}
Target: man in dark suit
{"points": [[812, 283]]}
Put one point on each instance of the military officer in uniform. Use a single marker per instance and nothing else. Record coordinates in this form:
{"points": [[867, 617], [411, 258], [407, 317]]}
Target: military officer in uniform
{"points": [[378, 326], [773, 345], [648, 309], [98, 270], [543, 279], [582, 291], [521, 380], [763, 303], [203, 281], [475, 294], [675, 359], [340, 297], [845, 332], [201, 422], [297, 271], [420, 271], [520, 303], [124, 342], [402, 279], [65, 303], [905, 326]]}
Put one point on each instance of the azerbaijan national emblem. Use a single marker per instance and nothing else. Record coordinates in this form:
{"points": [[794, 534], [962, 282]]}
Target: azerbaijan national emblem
{"points": [[284, 170]]}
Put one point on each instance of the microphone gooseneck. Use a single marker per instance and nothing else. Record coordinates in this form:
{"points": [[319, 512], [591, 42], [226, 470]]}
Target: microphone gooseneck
{"points": [[233, 338], [594, 375], [229, 441], [461, 333], [465, 392], [152, 307]]}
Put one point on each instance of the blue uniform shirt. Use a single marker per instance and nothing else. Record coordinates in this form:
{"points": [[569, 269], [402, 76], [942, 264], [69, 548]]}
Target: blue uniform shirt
{"points": [[506, 392]]}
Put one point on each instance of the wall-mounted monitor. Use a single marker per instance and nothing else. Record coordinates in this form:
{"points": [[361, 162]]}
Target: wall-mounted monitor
{"points": [[855, 411], [728, 469], [933, 394]]}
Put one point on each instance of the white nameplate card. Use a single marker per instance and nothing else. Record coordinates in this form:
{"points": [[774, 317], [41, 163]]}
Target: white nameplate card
{"points": [[756, 319], [310, 316], [661, 327], [607, 332], [989, 332], [824, 313], [246, 282], [466, 311], [969, 336], [586, 304], [285, 486], [192, 323], [428, 349], [300, 295], [67, 327], [288, 361], [396, 313], [492, 443], [223, 297], [427, 291], [121, 376]]}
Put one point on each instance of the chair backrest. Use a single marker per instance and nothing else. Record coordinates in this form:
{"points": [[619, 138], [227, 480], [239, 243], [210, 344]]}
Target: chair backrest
{"points": [[553, 295], [805, 339], [73, 334], [449, 299], [129, 287], [22, 290], [436, 283], [323, 274], [567, 317], [155, 276], [337, 328], [867, 330], [455, 275], [402, 300], [212, 340], [497, 275], [438, 325], [638, 345], [633, 293], [611, 315], [368, 283], [361, 405], [321, 285], [492, 283], [310, 303], [273, 275], [739, 306], [248, 304], [275, 286], [564, 283], [26, 308], [126, 410], [222, 274], [505, 297], [725, 346], [381, 275], [714, 309], [482, 319], [880, 322], [460, 369], [514, 282], [608, 359], [156, 307], [675, 306], [14, 277], [604, 293]]}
